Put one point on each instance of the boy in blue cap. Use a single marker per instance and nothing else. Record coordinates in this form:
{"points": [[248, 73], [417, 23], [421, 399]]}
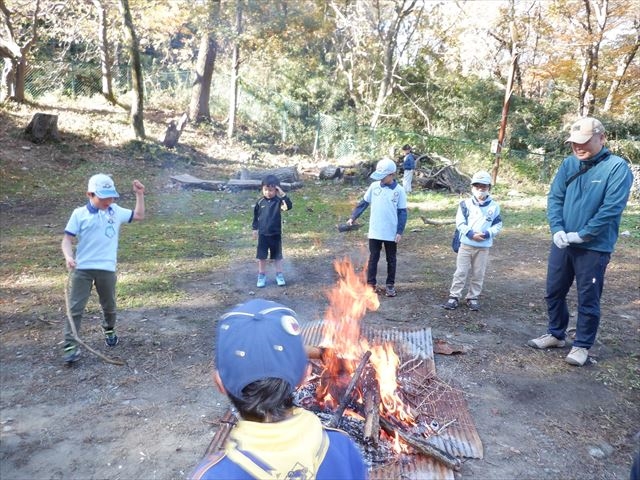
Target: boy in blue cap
{"points": [[260, 360], [96, 227]]}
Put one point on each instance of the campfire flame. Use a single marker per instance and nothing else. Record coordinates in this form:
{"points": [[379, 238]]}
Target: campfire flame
{"points": [[349, 300]]}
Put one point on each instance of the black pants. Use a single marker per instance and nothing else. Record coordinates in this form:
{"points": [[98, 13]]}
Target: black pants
{"points": [[390, 249]]}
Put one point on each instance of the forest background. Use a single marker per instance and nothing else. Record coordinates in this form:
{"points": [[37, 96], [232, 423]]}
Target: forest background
{"points": [[343, 79]]}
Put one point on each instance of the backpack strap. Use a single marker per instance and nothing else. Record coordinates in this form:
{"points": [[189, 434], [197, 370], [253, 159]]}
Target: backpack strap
{"points": [[587, 166]]}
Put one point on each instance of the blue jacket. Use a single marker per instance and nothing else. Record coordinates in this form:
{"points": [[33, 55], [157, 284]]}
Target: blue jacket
{"points": [[592, 203], [409, 162]]}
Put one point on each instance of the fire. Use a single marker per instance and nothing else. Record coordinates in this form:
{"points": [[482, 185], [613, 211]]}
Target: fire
{"points": [[349, 300]]}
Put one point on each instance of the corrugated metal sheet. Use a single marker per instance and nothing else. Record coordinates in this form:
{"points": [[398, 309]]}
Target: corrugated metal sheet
{"points": [[414, 346]]}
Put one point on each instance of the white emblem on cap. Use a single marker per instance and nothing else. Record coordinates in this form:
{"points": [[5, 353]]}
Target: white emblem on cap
{"points": [[290, 325]]}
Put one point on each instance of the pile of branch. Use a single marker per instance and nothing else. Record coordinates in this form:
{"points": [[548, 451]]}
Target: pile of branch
{"points": [[438, 173]]}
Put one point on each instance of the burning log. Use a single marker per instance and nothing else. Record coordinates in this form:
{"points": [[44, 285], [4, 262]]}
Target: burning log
{"points": [[371, 430], [335, 420], [421, 445]]}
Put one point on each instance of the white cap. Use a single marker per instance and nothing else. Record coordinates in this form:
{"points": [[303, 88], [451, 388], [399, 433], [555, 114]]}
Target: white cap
{"points": [[102, 185], [584, 129], [385, 167], [482, 178]]}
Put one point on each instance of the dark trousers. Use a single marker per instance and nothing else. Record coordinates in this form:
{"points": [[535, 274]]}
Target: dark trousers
{"points": [[390, 250], [82, 282], [587, 268]]}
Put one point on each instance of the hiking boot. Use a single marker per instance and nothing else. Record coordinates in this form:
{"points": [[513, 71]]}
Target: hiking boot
{"points": [[110, 338], [473, 304], [280, 279], [546, 341], [451, 304], [71, 353], [390, 291], [262, 280], [577, 356]]}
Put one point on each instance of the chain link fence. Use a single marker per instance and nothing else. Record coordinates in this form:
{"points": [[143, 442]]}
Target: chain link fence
{"points": [[276, 120]]}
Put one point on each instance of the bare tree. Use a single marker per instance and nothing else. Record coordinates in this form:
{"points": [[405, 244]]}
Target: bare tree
{"points": [[105, 60], [621, 69], [235, 68], [15, 55], [137, 106], [370, 39], [201, 90]]}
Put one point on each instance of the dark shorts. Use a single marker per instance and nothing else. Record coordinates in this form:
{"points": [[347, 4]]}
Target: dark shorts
{"points": [[269, 243]]}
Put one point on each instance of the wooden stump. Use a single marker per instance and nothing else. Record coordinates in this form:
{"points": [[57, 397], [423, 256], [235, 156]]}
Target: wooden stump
{"points": [[172, 135], [43, 127]]}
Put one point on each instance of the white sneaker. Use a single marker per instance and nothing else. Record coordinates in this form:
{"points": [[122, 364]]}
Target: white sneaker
{"points": [[577, 356], [546, 341]]}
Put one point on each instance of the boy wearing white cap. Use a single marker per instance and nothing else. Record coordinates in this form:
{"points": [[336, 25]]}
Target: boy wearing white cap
{"points": [[388, 218], [584, 206], [96, 227], [260, 360]]}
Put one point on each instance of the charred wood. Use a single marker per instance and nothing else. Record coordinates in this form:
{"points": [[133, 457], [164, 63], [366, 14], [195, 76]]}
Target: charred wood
{"points": [[346, 398]]}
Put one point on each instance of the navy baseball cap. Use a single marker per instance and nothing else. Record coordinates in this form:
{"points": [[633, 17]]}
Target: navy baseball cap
{"points": [[256, 340]]}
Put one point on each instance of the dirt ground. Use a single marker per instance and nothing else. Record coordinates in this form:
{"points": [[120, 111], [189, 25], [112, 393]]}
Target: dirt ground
{"points": [[153, 418]]}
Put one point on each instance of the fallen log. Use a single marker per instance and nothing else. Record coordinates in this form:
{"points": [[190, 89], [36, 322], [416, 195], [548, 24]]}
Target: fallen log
{"points": [[284, 174], [189, 181], [421, 445], [256, 185]]}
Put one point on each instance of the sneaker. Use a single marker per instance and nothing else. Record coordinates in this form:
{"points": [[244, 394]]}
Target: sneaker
{"points": [[451, 304], [577, 356], [262, 280], [473, 304], [110, 338], [71, 353], [546, 341], [390, 291], [280, 279]]}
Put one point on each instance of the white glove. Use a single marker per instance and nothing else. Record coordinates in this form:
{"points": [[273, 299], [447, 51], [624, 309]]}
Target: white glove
{"points": [[560, 239], [573, 237]]}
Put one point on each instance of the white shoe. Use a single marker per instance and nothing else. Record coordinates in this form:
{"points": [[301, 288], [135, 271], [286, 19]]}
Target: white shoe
{"points": [[546, 341], [577, 356]]}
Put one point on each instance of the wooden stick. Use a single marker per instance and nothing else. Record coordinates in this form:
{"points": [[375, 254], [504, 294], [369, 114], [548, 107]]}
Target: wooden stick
{"points": [[335, 420], [74, 332], [423, 446], [371, 430], [227, 422]]}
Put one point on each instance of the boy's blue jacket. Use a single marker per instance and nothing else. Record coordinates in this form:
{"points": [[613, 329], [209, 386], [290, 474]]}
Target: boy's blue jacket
{"points": [[592, 203]]}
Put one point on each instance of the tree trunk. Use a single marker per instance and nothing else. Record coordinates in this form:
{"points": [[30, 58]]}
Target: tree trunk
{"points": [[623, 64], [235, 68], [201, 91], [137, 106], [105, 60]]}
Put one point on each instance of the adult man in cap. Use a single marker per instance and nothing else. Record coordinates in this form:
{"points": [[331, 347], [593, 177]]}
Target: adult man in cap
{"points": [[584, 206], [260, 360]]}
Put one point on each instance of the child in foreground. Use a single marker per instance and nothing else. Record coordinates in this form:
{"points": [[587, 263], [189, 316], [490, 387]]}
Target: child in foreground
{"points": [[260, 360]]}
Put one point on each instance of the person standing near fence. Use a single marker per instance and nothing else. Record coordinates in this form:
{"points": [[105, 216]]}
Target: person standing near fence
{"points": [[409, 165], [584, 208]]}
